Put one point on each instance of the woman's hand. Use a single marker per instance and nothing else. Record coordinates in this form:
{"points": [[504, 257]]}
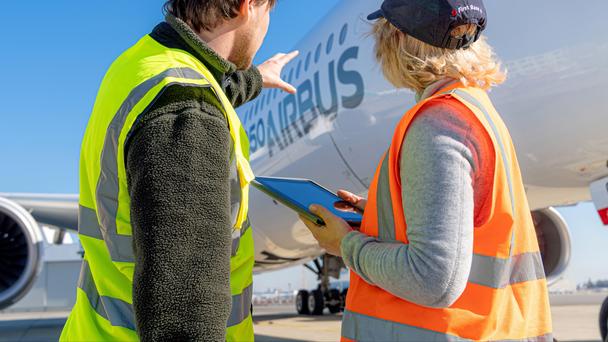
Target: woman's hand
{"points": [[354, 200], [272, 68], [329, 236]]}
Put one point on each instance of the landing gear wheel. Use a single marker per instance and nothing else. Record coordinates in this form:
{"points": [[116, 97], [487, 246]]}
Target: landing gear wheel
{"points": [[316, 303], [335, 301], [604, 320], [302, 303]]}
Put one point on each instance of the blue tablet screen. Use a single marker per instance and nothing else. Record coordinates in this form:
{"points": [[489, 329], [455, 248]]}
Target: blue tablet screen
{"points": [[303, 193]]}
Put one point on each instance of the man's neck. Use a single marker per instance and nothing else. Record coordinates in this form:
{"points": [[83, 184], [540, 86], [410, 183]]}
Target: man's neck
{"points": [[200, 48], [221, 41]]}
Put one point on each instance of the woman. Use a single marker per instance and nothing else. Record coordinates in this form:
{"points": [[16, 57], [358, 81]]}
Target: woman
{"points": [[447, 249]]}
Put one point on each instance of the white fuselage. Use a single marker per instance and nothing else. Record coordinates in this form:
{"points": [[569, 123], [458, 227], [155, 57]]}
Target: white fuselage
{"points": [[342, 119]]}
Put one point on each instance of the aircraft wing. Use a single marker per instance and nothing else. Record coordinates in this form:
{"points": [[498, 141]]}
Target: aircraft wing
{"points": [[60, 211]]}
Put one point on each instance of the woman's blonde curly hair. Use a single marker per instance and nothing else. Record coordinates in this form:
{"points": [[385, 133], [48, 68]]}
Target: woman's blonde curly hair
{"points": [[410, 63]]}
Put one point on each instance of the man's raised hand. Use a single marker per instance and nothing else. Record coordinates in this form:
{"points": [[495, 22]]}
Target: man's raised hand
{"points": [[272, 68]]}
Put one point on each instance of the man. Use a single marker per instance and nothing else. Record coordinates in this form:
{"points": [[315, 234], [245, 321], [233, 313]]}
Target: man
{"points": [[164, 179], [447, 250]]}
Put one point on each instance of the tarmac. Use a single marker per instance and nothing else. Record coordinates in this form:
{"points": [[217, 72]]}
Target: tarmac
{"points": [[575, 318]]}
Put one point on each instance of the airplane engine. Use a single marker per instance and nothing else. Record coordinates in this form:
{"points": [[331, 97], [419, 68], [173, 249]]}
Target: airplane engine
{"points": [[21, 249], [554, 242]]}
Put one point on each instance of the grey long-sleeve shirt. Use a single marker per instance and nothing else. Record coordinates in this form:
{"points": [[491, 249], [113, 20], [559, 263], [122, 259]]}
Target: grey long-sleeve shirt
{"points": [[446, 173]]}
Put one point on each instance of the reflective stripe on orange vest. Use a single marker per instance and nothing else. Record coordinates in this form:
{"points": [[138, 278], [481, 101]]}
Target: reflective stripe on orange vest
{"points": [[357, 327], [506, 296]]}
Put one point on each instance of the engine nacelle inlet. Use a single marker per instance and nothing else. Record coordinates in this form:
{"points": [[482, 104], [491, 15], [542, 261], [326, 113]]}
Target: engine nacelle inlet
{"points": [[554, 242], [21, 249]]}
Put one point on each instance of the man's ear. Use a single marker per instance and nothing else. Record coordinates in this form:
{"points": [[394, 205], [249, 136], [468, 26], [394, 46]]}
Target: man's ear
{"points": [[245, 8]]}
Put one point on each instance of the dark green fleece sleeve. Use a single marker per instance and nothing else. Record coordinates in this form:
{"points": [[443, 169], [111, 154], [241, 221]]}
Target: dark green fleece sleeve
{"points": [[243, 86], [178, 176]]}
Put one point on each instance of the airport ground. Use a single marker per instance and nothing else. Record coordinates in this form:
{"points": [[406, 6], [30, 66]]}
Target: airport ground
{"points": [[575, 318]]}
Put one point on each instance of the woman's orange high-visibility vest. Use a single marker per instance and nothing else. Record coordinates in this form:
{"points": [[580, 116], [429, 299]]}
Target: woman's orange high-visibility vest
{"points": [[506, 296]]}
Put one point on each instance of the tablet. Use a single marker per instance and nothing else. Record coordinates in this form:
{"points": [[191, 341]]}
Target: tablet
{"points": [[300, 194]]}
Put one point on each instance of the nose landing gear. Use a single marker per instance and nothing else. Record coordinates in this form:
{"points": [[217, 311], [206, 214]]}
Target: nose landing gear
{"points": [[314, 302]]}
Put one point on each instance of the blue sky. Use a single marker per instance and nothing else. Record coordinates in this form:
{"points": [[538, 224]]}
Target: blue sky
{"points": [[54, 56]]}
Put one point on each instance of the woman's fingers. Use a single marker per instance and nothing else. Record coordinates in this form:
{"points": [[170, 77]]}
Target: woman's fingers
{"points": [[347, 196], [326, 215], [356, 201], [345, 206]]}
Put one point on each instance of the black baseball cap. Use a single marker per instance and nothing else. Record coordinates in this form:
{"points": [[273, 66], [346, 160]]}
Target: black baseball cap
{"points": [[432, 21]]}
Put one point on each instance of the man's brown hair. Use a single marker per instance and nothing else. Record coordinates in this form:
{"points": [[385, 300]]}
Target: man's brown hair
{"points": [[207, 14]]}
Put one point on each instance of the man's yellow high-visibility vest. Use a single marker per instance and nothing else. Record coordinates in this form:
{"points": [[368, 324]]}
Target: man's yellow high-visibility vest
{"points": [[104, 304]]}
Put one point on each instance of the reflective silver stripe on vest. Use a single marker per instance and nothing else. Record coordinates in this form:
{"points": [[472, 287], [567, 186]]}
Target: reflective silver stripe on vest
{"points": [[88, 224], [119, 313], [120, 246], [241, 306], [236, 242], [235, 190], [481, 107], [360, 327], [543, 338], [499, 273], [384, 207], [501, 145]]}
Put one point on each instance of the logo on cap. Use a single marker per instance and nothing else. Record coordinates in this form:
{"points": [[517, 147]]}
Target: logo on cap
{"points": [[469, 8]]}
